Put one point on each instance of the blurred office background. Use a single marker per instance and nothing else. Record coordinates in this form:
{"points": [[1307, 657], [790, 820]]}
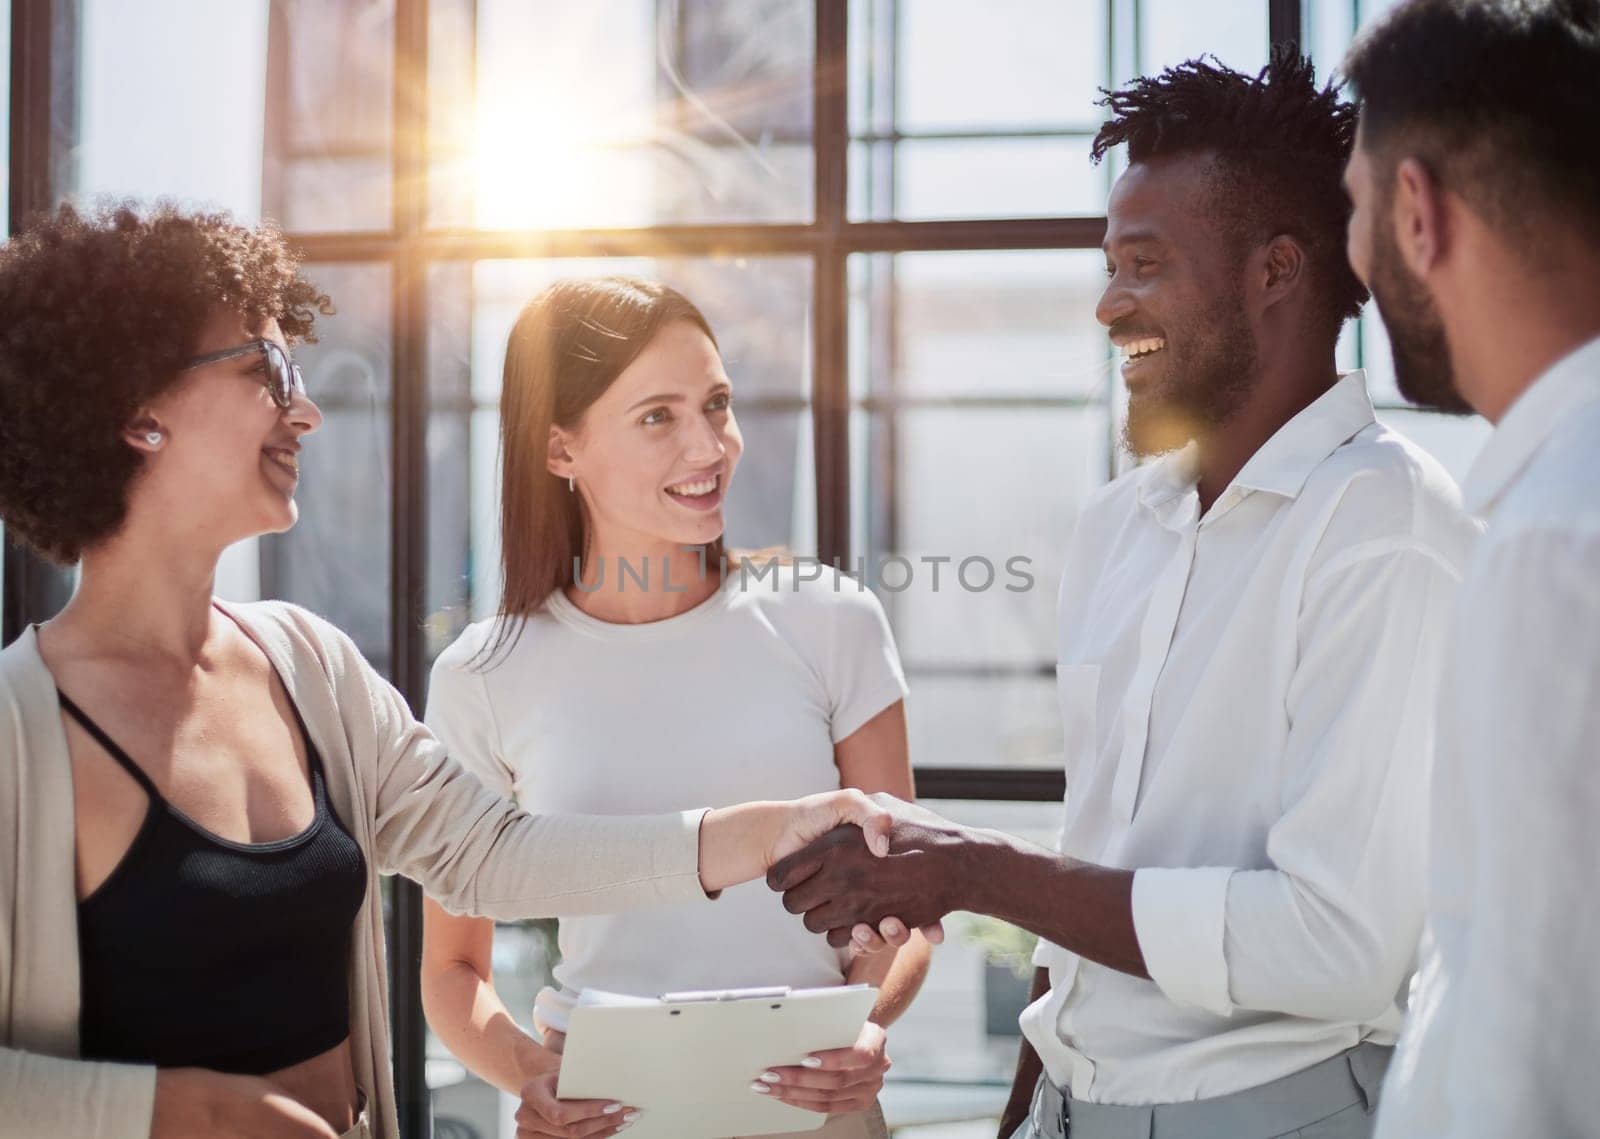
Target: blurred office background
{"points": [[886, 209]]}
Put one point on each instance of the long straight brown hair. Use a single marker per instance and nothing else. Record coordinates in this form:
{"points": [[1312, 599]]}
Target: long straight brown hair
{"points": [[569, 344]]}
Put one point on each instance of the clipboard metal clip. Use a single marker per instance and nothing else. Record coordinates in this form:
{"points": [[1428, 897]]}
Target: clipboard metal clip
{"points": [[702, 996]]}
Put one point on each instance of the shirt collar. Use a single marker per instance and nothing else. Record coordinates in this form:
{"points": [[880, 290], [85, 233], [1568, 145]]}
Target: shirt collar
{"points": [[1552, 399], [1171, 476], [1285, 461]]}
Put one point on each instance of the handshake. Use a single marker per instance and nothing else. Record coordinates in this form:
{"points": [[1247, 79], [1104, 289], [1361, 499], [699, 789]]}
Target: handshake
{"points": [[844, 889]]}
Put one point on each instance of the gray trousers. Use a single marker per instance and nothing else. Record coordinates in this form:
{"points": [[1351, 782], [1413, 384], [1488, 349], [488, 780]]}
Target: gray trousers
{"points": [[1336, 1099]]}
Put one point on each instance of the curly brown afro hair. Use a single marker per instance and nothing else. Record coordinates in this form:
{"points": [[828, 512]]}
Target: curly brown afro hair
{"points": [[98, 313]]}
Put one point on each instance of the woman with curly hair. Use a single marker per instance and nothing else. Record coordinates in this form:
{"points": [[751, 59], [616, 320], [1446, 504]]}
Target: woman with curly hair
{"points": [[198, 798]]}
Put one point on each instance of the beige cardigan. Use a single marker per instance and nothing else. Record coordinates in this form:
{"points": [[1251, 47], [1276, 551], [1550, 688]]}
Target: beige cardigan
{"points": [[412, 809]]}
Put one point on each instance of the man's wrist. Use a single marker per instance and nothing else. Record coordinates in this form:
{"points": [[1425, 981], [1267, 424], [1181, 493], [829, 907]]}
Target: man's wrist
{"points": [[966, 856]]}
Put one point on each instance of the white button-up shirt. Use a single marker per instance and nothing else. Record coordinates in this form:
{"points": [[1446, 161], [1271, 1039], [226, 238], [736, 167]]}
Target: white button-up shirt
{"points": [[1505, 1032], [1248, 702]]}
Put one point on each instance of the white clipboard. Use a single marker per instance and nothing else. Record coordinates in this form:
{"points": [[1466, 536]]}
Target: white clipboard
{"points": [[686, 1061]]}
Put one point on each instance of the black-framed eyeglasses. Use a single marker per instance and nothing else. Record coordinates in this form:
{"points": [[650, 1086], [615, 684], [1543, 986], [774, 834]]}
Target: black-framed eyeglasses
{"points": [[284, 377]]}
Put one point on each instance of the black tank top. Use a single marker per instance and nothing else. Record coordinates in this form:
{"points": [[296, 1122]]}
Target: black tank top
{"points": [[200, 952]]}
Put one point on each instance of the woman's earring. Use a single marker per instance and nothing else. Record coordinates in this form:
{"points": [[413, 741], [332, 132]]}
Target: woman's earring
{"points": [[572, 485], [153, 438]]}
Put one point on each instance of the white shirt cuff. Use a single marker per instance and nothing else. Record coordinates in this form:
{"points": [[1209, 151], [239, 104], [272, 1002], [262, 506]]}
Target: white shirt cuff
{"points": [[1178, 917], [1047, 953]]}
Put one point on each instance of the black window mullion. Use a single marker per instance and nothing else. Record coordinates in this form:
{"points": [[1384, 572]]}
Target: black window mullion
{"points": [[720, 240], [1284, 22], [408, 534], [830, 406], [995, 784]]}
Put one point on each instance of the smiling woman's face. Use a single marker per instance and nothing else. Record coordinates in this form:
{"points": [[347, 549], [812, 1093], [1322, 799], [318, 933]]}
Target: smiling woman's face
{"points": [[228, 463], [655, 454]]}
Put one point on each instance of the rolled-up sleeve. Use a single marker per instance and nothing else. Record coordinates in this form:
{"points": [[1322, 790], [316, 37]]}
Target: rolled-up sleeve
{"points": [[1178, 917], [1330, 928]]}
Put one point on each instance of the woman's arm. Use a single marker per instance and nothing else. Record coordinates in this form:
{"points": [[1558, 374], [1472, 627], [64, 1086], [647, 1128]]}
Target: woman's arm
{"points": [[477, 853], [738, 844], [464, 1009], [49, 1097]]}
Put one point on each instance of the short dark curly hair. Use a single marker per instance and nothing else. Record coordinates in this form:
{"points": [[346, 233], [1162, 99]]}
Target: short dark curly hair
{"points": [[1281, 144], [98, 313], [1496, 96]]}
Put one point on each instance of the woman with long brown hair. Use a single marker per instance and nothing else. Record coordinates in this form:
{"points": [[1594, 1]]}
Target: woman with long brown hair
{"points": [[635, 664]]}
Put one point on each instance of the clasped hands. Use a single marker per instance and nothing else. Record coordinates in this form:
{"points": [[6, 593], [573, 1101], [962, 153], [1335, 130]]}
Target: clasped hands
{"points": [[857, 897]]}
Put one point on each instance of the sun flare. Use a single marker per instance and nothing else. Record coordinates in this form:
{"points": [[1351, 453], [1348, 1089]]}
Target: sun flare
{"points": [[556, 168]]}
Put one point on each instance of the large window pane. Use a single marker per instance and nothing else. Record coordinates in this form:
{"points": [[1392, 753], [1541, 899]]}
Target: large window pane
{"points": [[758, 308], [984, 394], [621, 113], [1009, 324], [1021, 111], [1171, 31], [1047, 78], [336, 559], [1010, 719], [1022, 177], [994, 491], [289, 120], [330, 125], [162, 112]]}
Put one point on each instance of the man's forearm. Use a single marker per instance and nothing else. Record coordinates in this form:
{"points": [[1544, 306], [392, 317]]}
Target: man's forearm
{"points": [[1081, 907]]}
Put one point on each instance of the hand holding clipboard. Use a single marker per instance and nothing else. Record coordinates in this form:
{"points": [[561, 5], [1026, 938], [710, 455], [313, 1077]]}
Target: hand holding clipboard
{"points": [[686, 1060]]}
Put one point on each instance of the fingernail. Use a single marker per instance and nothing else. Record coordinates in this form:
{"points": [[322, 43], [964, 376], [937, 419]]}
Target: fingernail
{"points": [[761, 1089], [611, 1108], [630, 1117], [772, 1077], [811, 1062]]}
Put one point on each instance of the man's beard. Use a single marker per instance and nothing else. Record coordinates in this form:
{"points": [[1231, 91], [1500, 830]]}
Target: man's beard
{"points": [[1417, 342], [1208, 380]]}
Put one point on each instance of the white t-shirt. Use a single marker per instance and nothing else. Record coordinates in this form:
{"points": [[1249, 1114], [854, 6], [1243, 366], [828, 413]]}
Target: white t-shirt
{"points": [[741, 698]]}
